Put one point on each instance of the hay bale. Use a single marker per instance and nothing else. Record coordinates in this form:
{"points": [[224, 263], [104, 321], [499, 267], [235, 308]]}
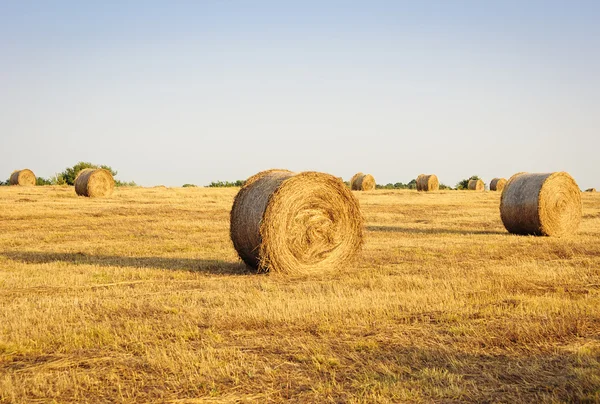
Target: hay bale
{"points": [[419, 179], [476, 185], [541, 204], [428, 182], [498, 184], [94, 183], [590, 190], [362, 182], [295, 223], [24, 178]]}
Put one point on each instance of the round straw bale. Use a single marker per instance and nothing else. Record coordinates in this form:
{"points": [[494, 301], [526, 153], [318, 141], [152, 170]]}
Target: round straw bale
{"points": [[590, 190], [476, 185], [24, 178], [419, 179], [427, 182], [541, 204], [362, 182], [94, 183], [497, 184], [295, 223]]}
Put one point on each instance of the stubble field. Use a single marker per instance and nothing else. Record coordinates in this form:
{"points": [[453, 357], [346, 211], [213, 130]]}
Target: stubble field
{"points": [[140, 297]]}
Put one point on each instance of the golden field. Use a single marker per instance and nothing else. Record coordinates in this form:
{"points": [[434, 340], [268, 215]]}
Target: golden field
{"points": [[140, 297]]}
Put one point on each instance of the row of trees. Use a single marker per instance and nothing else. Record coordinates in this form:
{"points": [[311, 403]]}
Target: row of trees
{"points": [[67, 177], [463, 184]]}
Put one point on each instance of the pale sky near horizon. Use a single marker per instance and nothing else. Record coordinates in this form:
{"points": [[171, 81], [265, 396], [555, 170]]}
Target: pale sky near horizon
{"points": [[197, 91]]}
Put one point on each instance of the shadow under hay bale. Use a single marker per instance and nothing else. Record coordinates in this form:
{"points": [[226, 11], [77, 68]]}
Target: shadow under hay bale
{"points": [[24, 178], [498, 184], [546, 204], [362, 182], [94, 183], [295, 223], [427, 183]]}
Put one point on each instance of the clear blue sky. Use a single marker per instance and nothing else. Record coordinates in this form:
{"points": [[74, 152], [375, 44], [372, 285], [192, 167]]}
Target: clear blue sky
{"points": [[194, 91]]}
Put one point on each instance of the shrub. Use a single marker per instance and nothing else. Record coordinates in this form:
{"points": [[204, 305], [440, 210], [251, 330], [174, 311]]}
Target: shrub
{"points": [[224, 184], [189, 185], [398, 185], [125, 184], [42, 181]]}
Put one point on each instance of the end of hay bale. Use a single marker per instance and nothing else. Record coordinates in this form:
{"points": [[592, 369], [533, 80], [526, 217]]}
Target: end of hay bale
{"points": [[498, 184], [362, 182], [295, 223], [428, 182], [24, 178], [545, 204], [94, 183]]}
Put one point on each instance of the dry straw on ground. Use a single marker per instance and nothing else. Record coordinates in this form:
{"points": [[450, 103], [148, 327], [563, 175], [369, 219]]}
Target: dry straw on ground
{"points": [[295, 223], [476, 185], [427, 182], [541, 204], [498, 184], [362, 182], [590, 190], [24, 177], [94, 183]]}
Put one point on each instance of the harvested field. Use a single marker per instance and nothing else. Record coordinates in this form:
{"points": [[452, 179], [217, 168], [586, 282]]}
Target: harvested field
{"points": [[140, 297]]}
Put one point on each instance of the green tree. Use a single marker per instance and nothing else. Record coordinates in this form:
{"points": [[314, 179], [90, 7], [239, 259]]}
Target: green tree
{"points": [[223, 184], [464, 184], [68, 176], [42, 181]]}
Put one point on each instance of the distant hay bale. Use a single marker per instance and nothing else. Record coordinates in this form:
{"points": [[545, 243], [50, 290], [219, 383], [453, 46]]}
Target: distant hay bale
{"points": [[362, 182], [418, 180], [295, 223], [541, 204], [498, 184], [590, 190], [428, 183], [476, 185], [94, 183], [24, 178]]}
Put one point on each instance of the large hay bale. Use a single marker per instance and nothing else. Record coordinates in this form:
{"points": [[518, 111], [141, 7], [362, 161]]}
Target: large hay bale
{"points": [[590, 190], [362, 182], [24, 178], [427, 182], [476, 185], [541, 204], [498, 184], [94, 183], [295, 223]]}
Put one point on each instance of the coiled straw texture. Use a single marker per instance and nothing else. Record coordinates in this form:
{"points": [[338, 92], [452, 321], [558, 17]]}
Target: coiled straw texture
{"points": [[476, 185], [24, 178], [428, 183], [498, 184], [541, 204], [94, 183], [295, 223], [362, 182]]}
